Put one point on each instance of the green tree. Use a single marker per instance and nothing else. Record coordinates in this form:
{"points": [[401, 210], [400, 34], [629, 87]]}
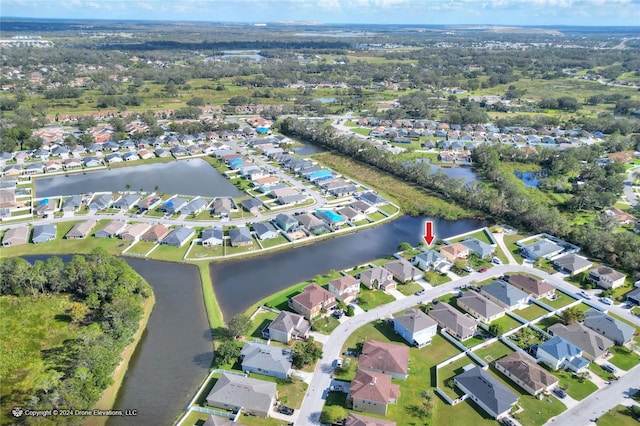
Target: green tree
{"points": [[305, 353], [227, 353], [332, 414], [572, 315], [239, 325], [496, 329], [404, 246], [78, 312]]}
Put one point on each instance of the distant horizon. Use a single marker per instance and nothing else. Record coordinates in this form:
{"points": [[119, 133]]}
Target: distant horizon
{"points": [[516, 13]]}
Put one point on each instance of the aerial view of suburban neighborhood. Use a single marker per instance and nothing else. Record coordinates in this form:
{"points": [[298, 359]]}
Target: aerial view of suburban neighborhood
{"points": [[349, 213]]}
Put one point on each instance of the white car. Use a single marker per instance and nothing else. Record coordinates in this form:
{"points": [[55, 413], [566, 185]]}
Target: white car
{"points": [[606, 301], [496, 260]]}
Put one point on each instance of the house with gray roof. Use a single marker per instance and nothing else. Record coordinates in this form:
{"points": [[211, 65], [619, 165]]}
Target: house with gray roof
{"points": [[487, 391], [620, 332], [91, 162], [220, 421], [113, 158], [110, 230], [312, 223], [126, 202], [287, 326], [431, 259], [264, 359], [234, 392], [178, 237], [222, 207], [634, 296], [240, 236], [43, 233], [81, 230], [558, 352], [173, 205], [363, 207], [480, 248], [541, 248], [252, 205], [416, 327], [453, 321], [593, 345], [100, 202], [606, 277], [572, 264], [505, 295], [286, 222], [72, 203], [480, 307], [212, 236], [265, 230], [290, 199], [15, 236], [194, 206], [526, 373], [377, 278], [373, 198], [403, 270]]}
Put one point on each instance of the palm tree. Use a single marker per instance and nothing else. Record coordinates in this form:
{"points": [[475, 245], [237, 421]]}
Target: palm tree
{"points": [[127, 187]]}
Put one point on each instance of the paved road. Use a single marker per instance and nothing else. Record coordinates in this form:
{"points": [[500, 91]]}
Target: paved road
{"points": [[632, 197]]}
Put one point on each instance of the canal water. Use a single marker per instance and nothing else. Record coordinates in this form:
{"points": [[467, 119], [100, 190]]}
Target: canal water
{"points": [[239, 284], [187, 177]]}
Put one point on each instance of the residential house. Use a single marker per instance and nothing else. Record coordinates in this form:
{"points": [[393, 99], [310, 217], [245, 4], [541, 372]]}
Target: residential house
{"points": [[416, 327], [431, 259], [135, 231], [312, 301], [479, 248], [219, 421], [162, 153], [526, 373], [126, 202], [288, 326], [194, 206], [572, 264], [312, 223], [351, 215], [178, 237], [486, 391], [33, 168], [455, 251], [173, 205], [345, 288], [240, 236], [505, 295], [606, 277], [363, 207], [373, 199], [285, 222], [222, 207], [268, 360], [403, 270], [72, 203], [16, 236], [155, 234], [535, 287], [620, 332], [91, 162], [480, 307], [113, 158], [100, 202], [331, 218], [354, 419], [593, 345], [634, 296], [45, 207], [378, 278], [178, 151], [291, 199], [81, 230], [53, 166], [620, 216], [559, 353], [71, 163], [235, 392], [145, 154], [110, 230], [372, 392], [453, 321], [43, 233], [212, 237], [149, 202], [541, 248], [252, 205], [265, 230]]}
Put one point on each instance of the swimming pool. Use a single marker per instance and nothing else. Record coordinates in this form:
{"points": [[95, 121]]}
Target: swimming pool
{"points": [[332, 216]]}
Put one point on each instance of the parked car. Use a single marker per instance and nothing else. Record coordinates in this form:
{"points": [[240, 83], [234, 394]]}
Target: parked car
{"points": [[496, 260], [606, 301], [336, 388], [560, 393], [608, 367], [419, 292], [283, 409], [584, 294], [339, 362], [482, 270], [338, 313]]}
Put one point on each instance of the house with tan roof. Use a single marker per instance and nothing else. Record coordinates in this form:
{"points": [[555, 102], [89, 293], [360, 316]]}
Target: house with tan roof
{"points": [[526, 373], [345, 288], [385, 358], [155, 234], [312, 301], [455, 251], [403, 270], [372, 392], [453, 321], [480, 307], [110, 230], [81, 230], [354, 419], [378, 278], [135, 231], [536, 288], [606, 277], [16, 236]]}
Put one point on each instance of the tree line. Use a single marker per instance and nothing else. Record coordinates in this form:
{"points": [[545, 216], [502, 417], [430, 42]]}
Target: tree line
{"points": [[108, 296]]}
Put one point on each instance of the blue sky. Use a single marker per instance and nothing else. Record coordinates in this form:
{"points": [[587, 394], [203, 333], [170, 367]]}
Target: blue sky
{"points": [[424, 12]]}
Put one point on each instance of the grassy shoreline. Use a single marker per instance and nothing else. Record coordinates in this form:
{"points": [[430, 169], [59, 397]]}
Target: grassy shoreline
{"points": [[109, 395]]}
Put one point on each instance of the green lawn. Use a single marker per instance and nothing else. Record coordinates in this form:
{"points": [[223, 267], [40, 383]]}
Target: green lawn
{"points": [[619, 416], [199, 251], [435, 278], [141, 247], [507, 323], [448, 372], [510, 242], [479, 235], [582, 307], [259, 322], [241, 249], [601, 372], [576, 388], [325, 325], [624, 358], [409, 288], [376, 216], [388, 208], [493, 352], [560, 300], [369, 299], [280, 239], [548, 322], [531, 312], [170, 253], [473, 341]]}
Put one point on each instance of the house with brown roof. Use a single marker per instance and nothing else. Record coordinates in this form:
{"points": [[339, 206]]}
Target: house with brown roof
{"points": [[455, 251], [112, 229], [155, 234], [403, 270], [385, 358], [536, 288], [135, 231], [526, 373], [480, 307], [372, 392], [354, 419], [620, 216], [606, 277], [453, 321], [312, 301], [81, 230], [345, 288], [378, 278]]}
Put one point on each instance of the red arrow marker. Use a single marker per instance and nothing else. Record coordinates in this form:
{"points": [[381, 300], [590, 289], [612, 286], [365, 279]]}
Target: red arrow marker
{"points": [[428, 232]]}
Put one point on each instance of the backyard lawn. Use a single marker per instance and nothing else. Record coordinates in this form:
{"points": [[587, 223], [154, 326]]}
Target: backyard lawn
{"points": [[388, 208], [141, 247], [376, 216], [493, 352], [259, 322], [531, 312], [369, 299], [548, 322], [199, 251], [560, 300], [507, 323], [280, 239], [473, 341], [448, 372]]}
